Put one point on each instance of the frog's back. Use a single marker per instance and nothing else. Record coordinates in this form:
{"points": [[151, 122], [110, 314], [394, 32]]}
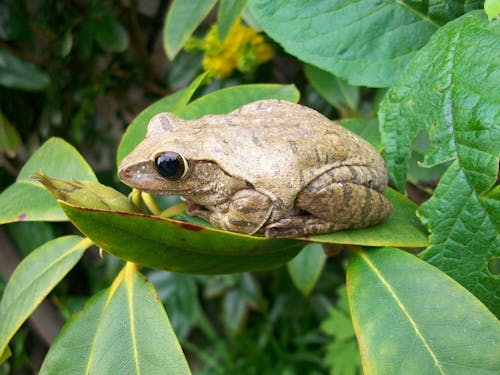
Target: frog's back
{"points": [[279, 146]]}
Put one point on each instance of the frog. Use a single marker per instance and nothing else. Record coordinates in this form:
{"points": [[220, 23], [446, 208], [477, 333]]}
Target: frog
{"points": [[271, 167]]}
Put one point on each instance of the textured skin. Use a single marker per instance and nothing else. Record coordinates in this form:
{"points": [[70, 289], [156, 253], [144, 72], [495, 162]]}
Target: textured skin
{"points": [[274, 150]]}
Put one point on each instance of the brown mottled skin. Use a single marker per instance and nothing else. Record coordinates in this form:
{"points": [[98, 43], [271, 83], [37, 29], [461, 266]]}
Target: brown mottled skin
{"points": [[271, 166]]}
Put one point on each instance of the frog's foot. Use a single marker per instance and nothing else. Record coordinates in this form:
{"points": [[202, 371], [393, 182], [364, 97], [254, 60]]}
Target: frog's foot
{"points": [[246, 212], [302, 225]]}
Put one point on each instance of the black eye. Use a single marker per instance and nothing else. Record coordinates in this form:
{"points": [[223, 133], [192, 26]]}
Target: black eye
{"points": [[171, 166]]}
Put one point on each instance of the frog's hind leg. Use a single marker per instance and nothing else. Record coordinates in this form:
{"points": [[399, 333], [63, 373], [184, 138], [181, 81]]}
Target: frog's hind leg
{"points": [[329, 205]]}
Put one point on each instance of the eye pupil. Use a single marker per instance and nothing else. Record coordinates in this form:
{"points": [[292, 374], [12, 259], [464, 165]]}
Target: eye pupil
{"points": [[171, 166]]}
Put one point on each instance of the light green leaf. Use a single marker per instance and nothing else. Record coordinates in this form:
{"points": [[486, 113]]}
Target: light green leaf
{"points": [[465, 235], [19, 74], [231, 98], [411, 318], [227, 14], [451, 89], [366, 43], [492, 9], [27, 199], [306, 268], [182, 19], [336, 91], [34, 278], [136, 131], [123, 329], [366, 128]]}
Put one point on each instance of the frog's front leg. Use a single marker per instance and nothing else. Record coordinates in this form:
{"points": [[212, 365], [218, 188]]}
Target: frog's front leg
{"points": [[330, 205], [246, 212]]}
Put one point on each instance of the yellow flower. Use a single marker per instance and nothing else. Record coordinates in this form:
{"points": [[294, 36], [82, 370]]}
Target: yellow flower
{"points": [[243, 49]]}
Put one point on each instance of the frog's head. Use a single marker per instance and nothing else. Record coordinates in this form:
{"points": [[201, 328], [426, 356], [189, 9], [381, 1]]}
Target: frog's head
{"points": [[163, 163]]}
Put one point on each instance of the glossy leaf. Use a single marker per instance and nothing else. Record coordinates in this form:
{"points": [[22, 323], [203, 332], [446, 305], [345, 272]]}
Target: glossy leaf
{"points": [[136, 131], [19, 74], [411, 318], [306, 268], [402, 228], [27, 199], [231, 98], [162, 243], [367, 43], [336, 91], [34, 278], [455, 97], [182, 20], [227, 14], [123, 329]]}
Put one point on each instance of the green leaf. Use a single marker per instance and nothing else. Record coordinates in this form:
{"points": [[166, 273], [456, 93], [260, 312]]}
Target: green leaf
{"points": [[336, 91], [492, 9], [136, 131], [158, 242], [182, 19], [366, 43], [306, 268], [110, 34], [410, 318], [366, 128], [402, 228], [10, 140], [34, 278], [451, 89], [465, 235], [455, 97], [235, 311], [27, 199], [227, 14], [231, 98], [19, 74], [123, 329]]}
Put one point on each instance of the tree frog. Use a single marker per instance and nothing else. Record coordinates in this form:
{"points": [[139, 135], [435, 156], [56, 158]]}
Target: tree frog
{"points": [[270, 167]]}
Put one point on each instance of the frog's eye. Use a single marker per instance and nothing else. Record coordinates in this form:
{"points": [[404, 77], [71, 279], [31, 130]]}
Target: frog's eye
{"points": [[171, 166]]}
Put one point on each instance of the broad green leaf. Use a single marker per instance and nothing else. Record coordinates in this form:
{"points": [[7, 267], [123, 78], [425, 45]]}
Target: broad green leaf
{"points": [[411, 318], [34, 278], [451, 88], [10, 140], [455, 97], [19, 74], [158, 242], [366, 43], [27, 199], [182, 19], [136, 131], [465, 235], [231, 98], [123, 329], [336, 91], [227, 14], [306, 268], [110, 34], [29, 235], [402, 228]]}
